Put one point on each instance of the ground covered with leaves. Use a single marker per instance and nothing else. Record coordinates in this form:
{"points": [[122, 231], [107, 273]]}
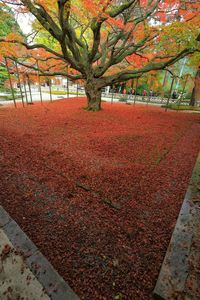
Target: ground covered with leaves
{"points": [[98, 192]]}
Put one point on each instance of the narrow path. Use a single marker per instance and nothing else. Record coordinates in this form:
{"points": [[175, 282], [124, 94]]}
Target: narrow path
{"points": [[24, 272]]}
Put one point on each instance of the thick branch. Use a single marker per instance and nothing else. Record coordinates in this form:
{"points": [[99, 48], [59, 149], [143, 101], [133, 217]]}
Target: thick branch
{"points": [[114, 12], [44, 18], [120, 55], [65, 57], [44, 72], [96, 28], [126, 75]]}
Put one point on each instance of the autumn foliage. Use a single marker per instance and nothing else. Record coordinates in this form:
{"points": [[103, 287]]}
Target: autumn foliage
{"points": [[105, 42], [98, 193]]}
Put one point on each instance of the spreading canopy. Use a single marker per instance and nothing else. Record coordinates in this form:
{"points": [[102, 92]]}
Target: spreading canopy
{"points": [[104, 42]]}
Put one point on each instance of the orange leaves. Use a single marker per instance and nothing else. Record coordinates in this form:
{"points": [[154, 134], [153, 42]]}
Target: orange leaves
{"points": [[8, 49], [184, 9], [139, 33], [1, 58], [88, 9], [11, 48], [91, 7], [115, 22], [111, 32], [95, 8], [188, 14], [136, 60], [143, 3], [190, 5], [14, 37], [49, 5], [162, 16]]}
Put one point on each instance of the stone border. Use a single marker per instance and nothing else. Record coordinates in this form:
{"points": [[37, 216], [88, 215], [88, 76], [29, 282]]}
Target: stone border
{"points": [[54, 285], [183, 248]]}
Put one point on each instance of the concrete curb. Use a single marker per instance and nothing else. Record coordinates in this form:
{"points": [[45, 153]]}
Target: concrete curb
{"points": [[179, 262], [54, 285]]}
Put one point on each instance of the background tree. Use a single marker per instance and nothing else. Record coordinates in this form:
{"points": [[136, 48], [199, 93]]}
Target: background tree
{"points": [[8, 24], [106, 42], [195, 62], [196, 89]]}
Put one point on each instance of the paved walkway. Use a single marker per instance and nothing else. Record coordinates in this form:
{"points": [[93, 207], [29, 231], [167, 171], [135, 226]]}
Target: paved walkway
{"points": [[155, 101], [16, 279], [36, 98], [24, 272], [179, 276]]}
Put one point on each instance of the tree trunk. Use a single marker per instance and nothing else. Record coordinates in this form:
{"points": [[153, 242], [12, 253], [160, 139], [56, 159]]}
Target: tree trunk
{"points": [[192, 100], [196, 90], [10, 81], [93, 97]]}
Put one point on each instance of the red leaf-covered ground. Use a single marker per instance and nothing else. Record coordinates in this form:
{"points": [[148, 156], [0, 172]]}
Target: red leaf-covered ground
{"points": [[98, 192]]}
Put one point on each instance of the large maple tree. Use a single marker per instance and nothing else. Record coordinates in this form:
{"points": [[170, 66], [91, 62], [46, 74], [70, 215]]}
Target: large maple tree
{"points": [[104, 42]]}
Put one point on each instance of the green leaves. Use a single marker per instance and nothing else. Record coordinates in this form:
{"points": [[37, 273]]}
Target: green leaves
{"points": [[7, 22]]}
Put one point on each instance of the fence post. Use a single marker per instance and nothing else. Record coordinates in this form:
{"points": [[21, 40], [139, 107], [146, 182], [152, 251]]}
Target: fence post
{"points": [[10, 81], [136, 90], [29, 87], [24, 82], [173, 78], [39, 82], [50, 90], [19, 82]]}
